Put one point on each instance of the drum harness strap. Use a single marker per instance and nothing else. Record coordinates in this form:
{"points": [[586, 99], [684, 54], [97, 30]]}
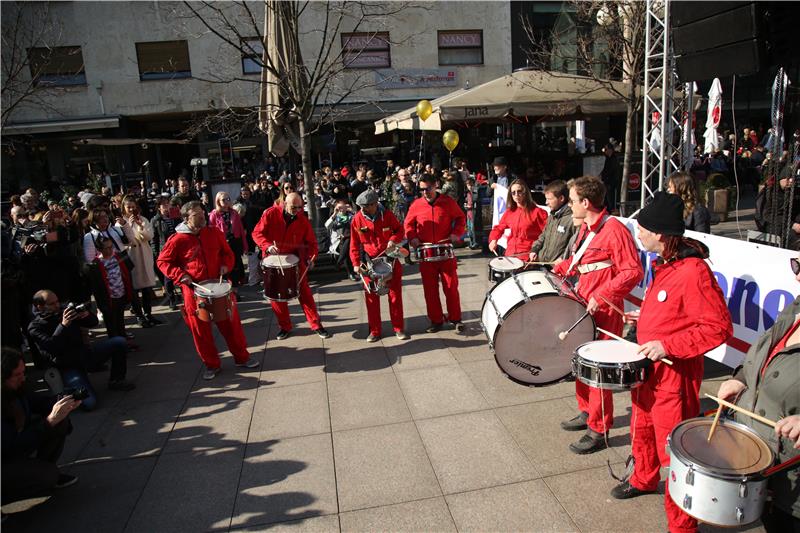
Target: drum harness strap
{"points": [[584, 246]]}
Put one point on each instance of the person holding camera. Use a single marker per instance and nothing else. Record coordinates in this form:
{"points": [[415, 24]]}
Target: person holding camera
{"points": [[57, 334], [338, 224], [34, 431]]}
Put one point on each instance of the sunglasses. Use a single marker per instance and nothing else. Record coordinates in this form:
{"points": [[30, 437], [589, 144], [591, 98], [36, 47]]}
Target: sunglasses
{"points": [[795, 264]]}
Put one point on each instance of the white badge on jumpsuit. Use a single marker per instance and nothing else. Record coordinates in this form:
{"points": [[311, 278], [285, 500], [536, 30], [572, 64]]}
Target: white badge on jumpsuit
{"points": [[662, 295]]}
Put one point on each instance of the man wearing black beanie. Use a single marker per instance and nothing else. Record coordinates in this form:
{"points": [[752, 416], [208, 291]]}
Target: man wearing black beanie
{"points": [[683, 316]]}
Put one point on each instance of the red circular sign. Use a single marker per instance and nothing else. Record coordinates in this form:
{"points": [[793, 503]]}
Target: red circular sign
{"points": [[634, 181], [715, 114]]}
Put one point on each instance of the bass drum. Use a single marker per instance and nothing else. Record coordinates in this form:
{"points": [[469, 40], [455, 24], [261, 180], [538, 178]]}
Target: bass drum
{"points": [[522, 317]]}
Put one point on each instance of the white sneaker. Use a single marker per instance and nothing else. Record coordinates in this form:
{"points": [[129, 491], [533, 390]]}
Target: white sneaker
{"points": [[250, 363], [211, 373]]}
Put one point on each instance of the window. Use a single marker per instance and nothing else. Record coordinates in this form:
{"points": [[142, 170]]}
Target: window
{"points": [[59, 65], [252, 55], [366, 50], [163, 60], [463, 47]]}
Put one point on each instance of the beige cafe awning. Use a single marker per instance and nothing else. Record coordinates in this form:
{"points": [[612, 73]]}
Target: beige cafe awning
{"points": [[524, 93]]}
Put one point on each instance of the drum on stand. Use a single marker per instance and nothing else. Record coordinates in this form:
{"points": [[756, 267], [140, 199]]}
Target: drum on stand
{"points": [[213, 301], [501, 268], [718, 481], [522, 317], [428, 252], [611, 365], [281, 277]]}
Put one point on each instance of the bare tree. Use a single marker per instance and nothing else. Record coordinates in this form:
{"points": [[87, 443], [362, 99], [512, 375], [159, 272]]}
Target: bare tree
{"points": [[605, 41], [29, 39], [310, 65]]}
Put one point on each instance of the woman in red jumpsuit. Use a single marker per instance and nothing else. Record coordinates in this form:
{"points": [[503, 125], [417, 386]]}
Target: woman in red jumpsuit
{"points": [[683, 316], [523, 217], [199, 253]]}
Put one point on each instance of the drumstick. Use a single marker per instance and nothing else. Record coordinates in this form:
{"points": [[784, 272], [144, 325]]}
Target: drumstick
{"points": [[220, 277], [280, 264], [612, 306], [742, 410], [563, 334], [540, 263], [714, 423], [617, 337], [307, 269], [203, 289]]}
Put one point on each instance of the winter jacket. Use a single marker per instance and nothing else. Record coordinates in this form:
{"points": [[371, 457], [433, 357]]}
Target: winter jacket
{"points": [[525, 229], [434, 222], [684, 309], [216, 219], [699, 219], [372, 236], [558, 230], [121, 235], [200, 256], [141, 253], [62, 346], [774, 394], [163, 229], [296, 237], [101, 288]]}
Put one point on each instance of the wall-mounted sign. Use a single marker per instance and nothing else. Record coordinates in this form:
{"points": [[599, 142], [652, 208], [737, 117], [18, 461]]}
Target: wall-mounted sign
{"points": [[414, 78]]}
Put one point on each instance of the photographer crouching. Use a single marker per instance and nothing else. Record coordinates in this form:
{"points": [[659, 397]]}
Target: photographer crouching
{"points": [[57, 334], [34, 430]]}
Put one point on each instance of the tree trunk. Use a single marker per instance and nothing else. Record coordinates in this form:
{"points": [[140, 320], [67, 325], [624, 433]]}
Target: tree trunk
{"points": [[630, 146], [308, 173]]}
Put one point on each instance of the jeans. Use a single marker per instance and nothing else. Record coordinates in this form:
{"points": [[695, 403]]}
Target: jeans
{"points": [[116, 349]]}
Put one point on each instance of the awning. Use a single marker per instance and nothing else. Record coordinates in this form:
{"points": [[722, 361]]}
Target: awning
{"points": [[52, 126], [529, 93], [129, 142]]}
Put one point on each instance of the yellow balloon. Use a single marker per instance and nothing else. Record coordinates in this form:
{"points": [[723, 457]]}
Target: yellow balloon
{"points": [[450, 140], [424, 109]]}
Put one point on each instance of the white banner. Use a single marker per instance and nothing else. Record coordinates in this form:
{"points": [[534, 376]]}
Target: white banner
{"points": [[498, 208], [756, 280]]}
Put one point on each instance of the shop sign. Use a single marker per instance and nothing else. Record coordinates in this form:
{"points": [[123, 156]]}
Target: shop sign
{"points": [[414, 78]]}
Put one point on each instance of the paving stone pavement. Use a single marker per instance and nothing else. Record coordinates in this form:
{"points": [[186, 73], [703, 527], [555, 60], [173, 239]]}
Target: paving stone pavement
{"points": [[340, 435]]}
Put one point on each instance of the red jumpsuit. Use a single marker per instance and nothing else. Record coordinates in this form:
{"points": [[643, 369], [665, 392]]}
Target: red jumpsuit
{"points": [[372, 237], [434, 223], [684, 309], [201, 256], [612, 243], [525, 229], [295, 238]]}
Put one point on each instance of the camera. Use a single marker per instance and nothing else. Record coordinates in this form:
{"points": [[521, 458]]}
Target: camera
{"points": [[78, 393], [78, 308]]}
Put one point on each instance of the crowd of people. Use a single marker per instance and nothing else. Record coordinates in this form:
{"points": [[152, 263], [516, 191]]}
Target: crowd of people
{"points": [[120, 249]]}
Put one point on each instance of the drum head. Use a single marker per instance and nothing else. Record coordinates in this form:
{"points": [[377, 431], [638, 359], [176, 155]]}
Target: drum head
{"points": [[213, 289], [609, 351], [381, 268], [506, 264], [734, 449], [280, 261], [527, 347]]}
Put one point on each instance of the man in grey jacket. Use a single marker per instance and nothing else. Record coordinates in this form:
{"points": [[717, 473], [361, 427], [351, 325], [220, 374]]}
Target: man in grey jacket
{"points": [[559, 228], [768, 383]]}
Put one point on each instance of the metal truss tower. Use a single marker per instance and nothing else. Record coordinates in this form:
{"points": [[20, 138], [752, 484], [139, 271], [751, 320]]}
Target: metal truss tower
{"points": [[666, 144]]}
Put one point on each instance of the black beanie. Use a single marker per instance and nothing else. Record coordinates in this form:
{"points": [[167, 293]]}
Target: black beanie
{"points": [[663, 215]]}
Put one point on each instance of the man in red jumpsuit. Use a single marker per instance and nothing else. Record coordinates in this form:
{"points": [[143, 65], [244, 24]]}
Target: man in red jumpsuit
{"points": [[682, 317], [374, 231], [199, 253], [607, 262], [433, 219], [284, 229]]}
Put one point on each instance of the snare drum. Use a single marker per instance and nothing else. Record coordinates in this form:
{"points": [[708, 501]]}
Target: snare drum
{"points": [[522, 317], [281, 277], [213, 301], [718, 481], [611, 365], [434, 252], [501, 268], [378, 277]]}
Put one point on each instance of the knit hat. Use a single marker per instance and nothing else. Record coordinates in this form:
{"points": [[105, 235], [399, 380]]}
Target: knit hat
{"points": [[663, 215], [500, 160], [367, 197]]}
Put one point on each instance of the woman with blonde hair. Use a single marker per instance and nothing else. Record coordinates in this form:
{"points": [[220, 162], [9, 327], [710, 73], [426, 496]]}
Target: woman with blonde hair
{"points": [[140, 251], [228, 221], [523, 217], [696, 216]]}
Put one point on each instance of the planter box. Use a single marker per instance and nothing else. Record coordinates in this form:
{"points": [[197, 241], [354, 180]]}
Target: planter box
{"points": [[717, 202]]}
